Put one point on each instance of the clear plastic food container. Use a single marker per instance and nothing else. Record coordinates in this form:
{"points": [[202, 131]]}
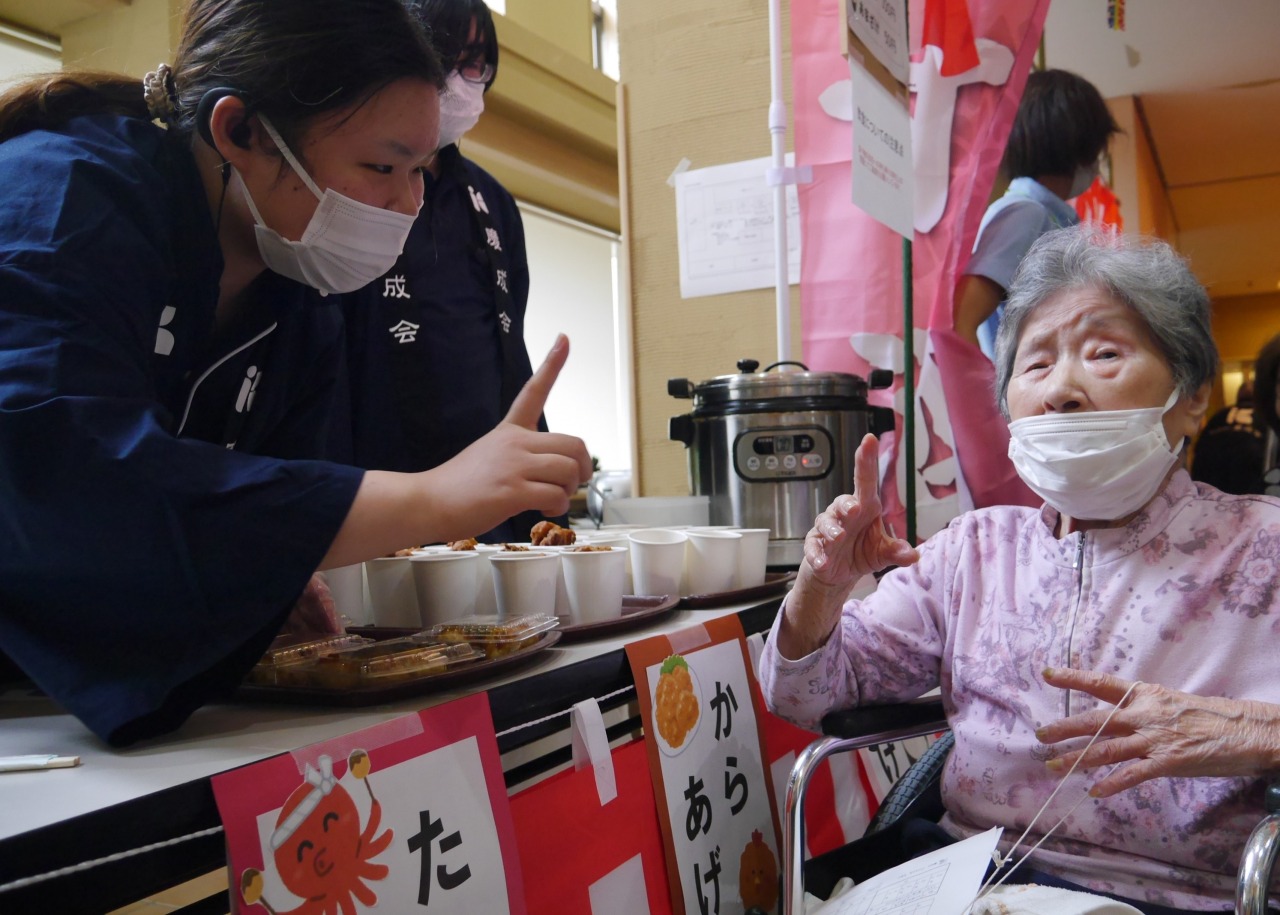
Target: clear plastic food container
{"points": [[281, 665], [492, 634], [390, 661]]}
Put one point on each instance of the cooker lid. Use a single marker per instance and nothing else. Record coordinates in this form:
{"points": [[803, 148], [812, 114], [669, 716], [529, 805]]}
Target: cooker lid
{"points": [[778, 390]]}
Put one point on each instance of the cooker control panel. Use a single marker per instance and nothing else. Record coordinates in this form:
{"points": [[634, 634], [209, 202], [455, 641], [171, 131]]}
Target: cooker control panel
{"points": [[780, 455]]}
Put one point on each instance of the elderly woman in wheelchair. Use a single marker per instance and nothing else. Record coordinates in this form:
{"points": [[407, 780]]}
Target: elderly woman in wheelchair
{"points": [[1133, 592]]}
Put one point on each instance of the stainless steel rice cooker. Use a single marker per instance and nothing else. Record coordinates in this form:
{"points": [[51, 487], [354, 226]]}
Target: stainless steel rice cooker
{"points": [[774, 448]]}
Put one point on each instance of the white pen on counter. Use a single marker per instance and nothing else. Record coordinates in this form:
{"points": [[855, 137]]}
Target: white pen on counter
{"points": [[37, 761]]}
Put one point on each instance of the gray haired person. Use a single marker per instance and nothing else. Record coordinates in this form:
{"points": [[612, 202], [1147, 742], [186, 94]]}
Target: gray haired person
{"points": [[1147, 275], [1134, 602]]}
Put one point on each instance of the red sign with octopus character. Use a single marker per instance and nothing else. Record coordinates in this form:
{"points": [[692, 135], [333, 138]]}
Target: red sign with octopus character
{"points": [[408, 815]]}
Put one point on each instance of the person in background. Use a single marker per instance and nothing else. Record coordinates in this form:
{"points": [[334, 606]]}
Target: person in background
{"points": [[1231, 448], [1059, 134], [1266, 411], [167, 355], [435, 348]]}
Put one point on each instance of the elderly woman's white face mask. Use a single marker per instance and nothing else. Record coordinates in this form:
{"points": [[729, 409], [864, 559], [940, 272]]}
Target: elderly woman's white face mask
{"points": [[1097, 420]]}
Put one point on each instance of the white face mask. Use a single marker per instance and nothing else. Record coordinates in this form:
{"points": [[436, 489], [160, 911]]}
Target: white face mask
{"points": [[1082, 180], [461, 104], [346, 245], [1094, 466]]}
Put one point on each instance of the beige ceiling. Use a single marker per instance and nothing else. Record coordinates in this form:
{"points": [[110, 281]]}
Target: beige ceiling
{"points": [[1207, 79]]}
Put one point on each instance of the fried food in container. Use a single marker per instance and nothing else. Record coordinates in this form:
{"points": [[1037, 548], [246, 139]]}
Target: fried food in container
{"points": [[283, 662], [390, 661], [494, 635]]}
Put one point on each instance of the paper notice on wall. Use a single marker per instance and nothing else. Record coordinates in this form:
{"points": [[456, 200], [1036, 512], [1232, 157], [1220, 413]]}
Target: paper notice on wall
{"points": [[882, 175], [881, 26], [724, 225]]}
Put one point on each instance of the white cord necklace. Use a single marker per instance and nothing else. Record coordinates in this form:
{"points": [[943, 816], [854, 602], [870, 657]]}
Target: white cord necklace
{"points": [[1001, 860]]}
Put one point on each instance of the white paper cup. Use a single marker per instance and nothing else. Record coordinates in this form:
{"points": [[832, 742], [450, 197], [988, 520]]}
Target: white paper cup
{"points": [[486, 596], [753, 556], [596, 582], [346, 584], [445, 584], [712, 560], [393, 599], [562, 590], [525, 582], [605, 538], [617, 539], [657, 560]]}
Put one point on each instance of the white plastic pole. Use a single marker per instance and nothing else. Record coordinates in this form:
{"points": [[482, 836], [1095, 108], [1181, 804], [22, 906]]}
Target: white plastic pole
{"points": [[778, 134]]}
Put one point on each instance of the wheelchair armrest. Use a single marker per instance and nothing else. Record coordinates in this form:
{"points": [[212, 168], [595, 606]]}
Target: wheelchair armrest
{"points": [[917, 716], [850, 729], [1254, 877]]}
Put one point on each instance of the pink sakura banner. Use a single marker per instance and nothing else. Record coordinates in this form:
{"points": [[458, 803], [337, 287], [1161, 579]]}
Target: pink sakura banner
{"points": [[969, 63]]}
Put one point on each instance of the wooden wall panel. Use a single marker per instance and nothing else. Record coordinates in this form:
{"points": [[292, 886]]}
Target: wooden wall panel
{"points": [[549, 132], [131, 38], [696, 74]]}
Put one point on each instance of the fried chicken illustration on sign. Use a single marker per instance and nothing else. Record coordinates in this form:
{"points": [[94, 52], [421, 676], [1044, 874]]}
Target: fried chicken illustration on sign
{"points": [[675, 705]]}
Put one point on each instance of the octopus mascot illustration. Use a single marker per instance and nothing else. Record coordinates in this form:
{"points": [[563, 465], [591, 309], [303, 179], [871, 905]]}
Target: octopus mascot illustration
{"points": [[321, 853]]}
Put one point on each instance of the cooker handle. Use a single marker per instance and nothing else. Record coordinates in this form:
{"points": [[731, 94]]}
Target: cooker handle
{"points": [[679, 387], [680, 429], [785, 362], [881, 420], [880, 378]]}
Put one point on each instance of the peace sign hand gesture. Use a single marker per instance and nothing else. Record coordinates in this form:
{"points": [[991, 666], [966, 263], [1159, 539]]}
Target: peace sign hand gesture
{"points": [[847, 541]]}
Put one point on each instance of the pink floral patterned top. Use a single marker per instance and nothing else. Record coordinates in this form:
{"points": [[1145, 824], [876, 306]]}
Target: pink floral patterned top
{"points": [[1184, 595]]}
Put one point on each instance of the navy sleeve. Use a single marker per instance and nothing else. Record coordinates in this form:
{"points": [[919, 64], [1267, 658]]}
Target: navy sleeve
{"points": [[140, 574]]}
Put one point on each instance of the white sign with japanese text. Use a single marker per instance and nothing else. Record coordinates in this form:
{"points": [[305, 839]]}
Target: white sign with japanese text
{"points": [[724, 227], [408, 815], [881, 25], [882, 171], [715, 784], [438, 853]]}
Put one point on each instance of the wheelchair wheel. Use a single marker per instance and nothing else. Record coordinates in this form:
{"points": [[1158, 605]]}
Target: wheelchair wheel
{"points": [[918, 787]]}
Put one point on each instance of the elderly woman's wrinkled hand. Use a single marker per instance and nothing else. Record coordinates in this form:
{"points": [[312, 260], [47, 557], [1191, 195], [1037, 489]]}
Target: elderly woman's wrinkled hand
{"points": [[1161, 732], [849, 539]]}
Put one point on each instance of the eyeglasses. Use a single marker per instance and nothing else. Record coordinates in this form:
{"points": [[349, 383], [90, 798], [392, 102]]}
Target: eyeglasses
{"points": [[477, 72]]}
